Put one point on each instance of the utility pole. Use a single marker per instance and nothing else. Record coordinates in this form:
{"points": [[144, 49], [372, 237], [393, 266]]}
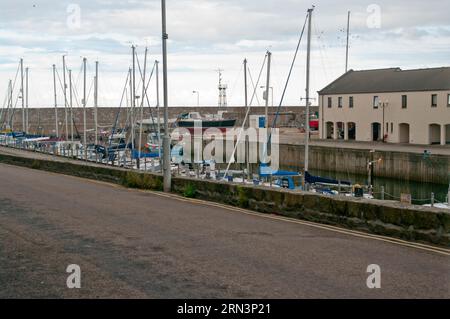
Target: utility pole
{"points": [[71, 105], [26, 100], [157, 110], [96, 103], [245, 83], [348, 37], [166, 140], [22, 96], [308, 66], [56, 102], [65, 95], [84, 110]]}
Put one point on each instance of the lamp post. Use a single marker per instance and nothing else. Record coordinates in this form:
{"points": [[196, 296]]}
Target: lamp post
{"points": [[166, 139], [198, 97], [370, 168]]}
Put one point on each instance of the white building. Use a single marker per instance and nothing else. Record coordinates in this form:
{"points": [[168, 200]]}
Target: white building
{"points": [[394, 105]]}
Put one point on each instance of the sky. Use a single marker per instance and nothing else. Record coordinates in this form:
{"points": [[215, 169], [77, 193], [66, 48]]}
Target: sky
{"points": [[207, 35]]}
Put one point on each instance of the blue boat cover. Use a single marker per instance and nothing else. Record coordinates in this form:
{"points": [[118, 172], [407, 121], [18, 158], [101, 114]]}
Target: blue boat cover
{"points": [[317, 179], [144, 155], [265, 171]]}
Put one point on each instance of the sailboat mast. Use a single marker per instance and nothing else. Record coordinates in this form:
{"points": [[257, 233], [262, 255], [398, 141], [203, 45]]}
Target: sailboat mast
{"points": [[245, 83], [71, 105], [84, 110], [56, 102], [10, 91], [130, 112], [26, 100], [157, 109], [65, 96], [22, 96], [348, 37], [133, 95], [266, 120], [308, 66], [96, 103], [142, 104]]}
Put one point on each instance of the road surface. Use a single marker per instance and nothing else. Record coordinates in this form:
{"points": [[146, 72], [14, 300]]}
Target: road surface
{"points": [[135, 244]]}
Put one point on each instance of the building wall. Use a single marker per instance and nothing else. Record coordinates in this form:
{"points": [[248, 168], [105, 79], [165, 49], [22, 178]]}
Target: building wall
{"points": [[419, 115]]}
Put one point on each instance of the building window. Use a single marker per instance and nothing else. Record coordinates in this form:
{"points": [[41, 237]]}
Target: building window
{"points": [[448, 100], [376, 102], [392, 128], [404, 101], [330, 102], [340, 102], [350, 101], [434, 100]]}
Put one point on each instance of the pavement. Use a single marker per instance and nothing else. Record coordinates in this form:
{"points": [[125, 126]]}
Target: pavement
{"points": [[138, 244]]}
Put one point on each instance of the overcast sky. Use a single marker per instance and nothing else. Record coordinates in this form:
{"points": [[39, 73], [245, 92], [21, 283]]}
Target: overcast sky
{"points": [[209, 34]]}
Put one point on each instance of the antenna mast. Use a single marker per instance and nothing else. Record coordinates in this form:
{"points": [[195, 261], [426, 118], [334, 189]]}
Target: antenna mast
{"points": [[222, 90]]}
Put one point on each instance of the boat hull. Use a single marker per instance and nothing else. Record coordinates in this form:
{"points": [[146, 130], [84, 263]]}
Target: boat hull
{"points": [[204, 125]]}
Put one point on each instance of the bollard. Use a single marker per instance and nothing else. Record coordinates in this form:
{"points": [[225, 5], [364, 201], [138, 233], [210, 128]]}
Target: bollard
{"points": [[382, 192], [432, 199]]}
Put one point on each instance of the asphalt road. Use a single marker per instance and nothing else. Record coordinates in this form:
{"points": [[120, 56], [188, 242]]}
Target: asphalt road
{"points": [[134, 244]]}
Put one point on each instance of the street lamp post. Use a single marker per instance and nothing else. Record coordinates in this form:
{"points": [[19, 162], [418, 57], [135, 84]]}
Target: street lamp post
{"points": [[370, 168], [198, 97], [166, 139]]}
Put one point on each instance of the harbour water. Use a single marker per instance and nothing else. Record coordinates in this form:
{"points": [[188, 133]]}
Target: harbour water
{"points": [[393, 188]]}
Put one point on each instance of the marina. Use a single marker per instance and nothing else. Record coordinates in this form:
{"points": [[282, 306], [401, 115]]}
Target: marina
{"points": [[204, 150]]}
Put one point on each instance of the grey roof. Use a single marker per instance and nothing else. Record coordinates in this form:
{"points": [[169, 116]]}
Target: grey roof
{"points": [[390, 80]]}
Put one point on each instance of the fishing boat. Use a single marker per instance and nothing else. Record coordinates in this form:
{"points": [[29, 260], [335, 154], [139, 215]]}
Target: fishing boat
{"points": [[193, 120]]}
